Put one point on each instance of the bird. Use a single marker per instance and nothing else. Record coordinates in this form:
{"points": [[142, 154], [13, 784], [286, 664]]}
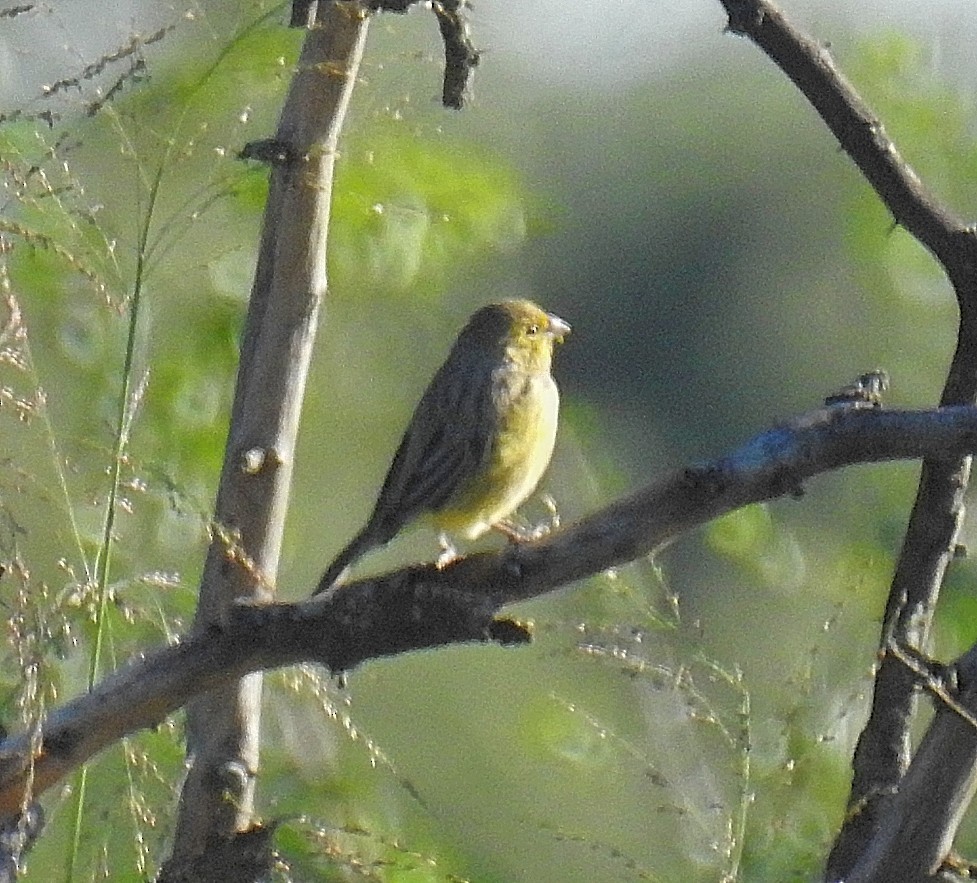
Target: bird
{"points": [[479, 440]]}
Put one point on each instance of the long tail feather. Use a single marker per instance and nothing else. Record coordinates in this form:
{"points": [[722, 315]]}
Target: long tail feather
{"points": [[360, 545]]}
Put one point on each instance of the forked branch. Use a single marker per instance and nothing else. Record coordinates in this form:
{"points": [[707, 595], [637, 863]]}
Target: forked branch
{"points": [[423, 607], [883, 752]]}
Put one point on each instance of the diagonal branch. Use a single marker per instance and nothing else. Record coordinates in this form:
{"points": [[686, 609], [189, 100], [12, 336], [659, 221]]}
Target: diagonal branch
{"points": [[882, 754], [858, 130], [423, 607]]}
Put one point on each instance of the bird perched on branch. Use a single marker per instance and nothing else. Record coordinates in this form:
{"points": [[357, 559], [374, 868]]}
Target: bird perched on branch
{"points": [[481, 436]]}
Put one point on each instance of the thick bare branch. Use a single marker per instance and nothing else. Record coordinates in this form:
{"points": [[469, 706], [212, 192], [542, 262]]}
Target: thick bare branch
{"points": [[423, 607], [290, 281]]}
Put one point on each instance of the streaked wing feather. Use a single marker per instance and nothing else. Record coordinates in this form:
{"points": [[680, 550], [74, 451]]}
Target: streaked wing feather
{"points": [[446, 469], [445, 444]]}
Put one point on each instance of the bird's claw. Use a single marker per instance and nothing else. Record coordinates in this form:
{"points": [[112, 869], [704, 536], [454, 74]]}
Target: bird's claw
{"points": [[522, 533], [448, 552], [553, 522]]}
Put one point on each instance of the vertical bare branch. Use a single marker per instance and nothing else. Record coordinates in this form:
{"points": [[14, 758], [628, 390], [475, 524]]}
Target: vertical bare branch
{"points": [[290, 282]]}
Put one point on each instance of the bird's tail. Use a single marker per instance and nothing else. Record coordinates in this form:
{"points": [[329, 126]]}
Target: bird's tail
{"points": [[335, 572]]}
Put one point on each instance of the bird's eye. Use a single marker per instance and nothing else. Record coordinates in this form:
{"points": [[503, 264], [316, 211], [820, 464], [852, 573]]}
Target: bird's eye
{"points": [[532, 329]]}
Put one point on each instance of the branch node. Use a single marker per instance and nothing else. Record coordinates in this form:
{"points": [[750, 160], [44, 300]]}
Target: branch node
{"points": [[271, 151], [332, 69], [509, 632], [234, 777], [744, 18]]}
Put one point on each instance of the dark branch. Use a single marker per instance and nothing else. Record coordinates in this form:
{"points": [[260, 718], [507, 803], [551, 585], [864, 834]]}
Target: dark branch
{"points": [[242, 857], [858, 130], [918, 822], [460, 55], [13, 11], [882, 755], [303, 13], [422, 607]]}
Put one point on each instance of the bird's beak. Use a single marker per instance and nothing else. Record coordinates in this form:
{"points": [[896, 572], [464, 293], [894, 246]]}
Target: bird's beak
{"points": [[558, 328]]}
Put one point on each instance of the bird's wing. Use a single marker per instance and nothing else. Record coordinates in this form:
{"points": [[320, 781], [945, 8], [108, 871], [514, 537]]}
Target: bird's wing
{"points": [[444, 447]]}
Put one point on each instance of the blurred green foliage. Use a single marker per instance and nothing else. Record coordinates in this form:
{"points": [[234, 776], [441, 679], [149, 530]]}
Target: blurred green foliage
{"points": [[722, 266]]}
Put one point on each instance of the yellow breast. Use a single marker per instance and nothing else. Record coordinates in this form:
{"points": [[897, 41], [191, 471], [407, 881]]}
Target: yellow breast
{"points": [[515, 461]]}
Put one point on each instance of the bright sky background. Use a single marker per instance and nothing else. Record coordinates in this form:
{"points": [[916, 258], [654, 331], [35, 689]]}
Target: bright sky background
{"points": [[562, 40]]}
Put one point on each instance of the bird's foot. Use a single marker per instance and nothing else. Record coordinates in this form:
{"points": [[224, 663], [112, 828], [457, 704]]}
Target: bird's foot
{"points": [[448, 552], [526, 533], [553, 515]]}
